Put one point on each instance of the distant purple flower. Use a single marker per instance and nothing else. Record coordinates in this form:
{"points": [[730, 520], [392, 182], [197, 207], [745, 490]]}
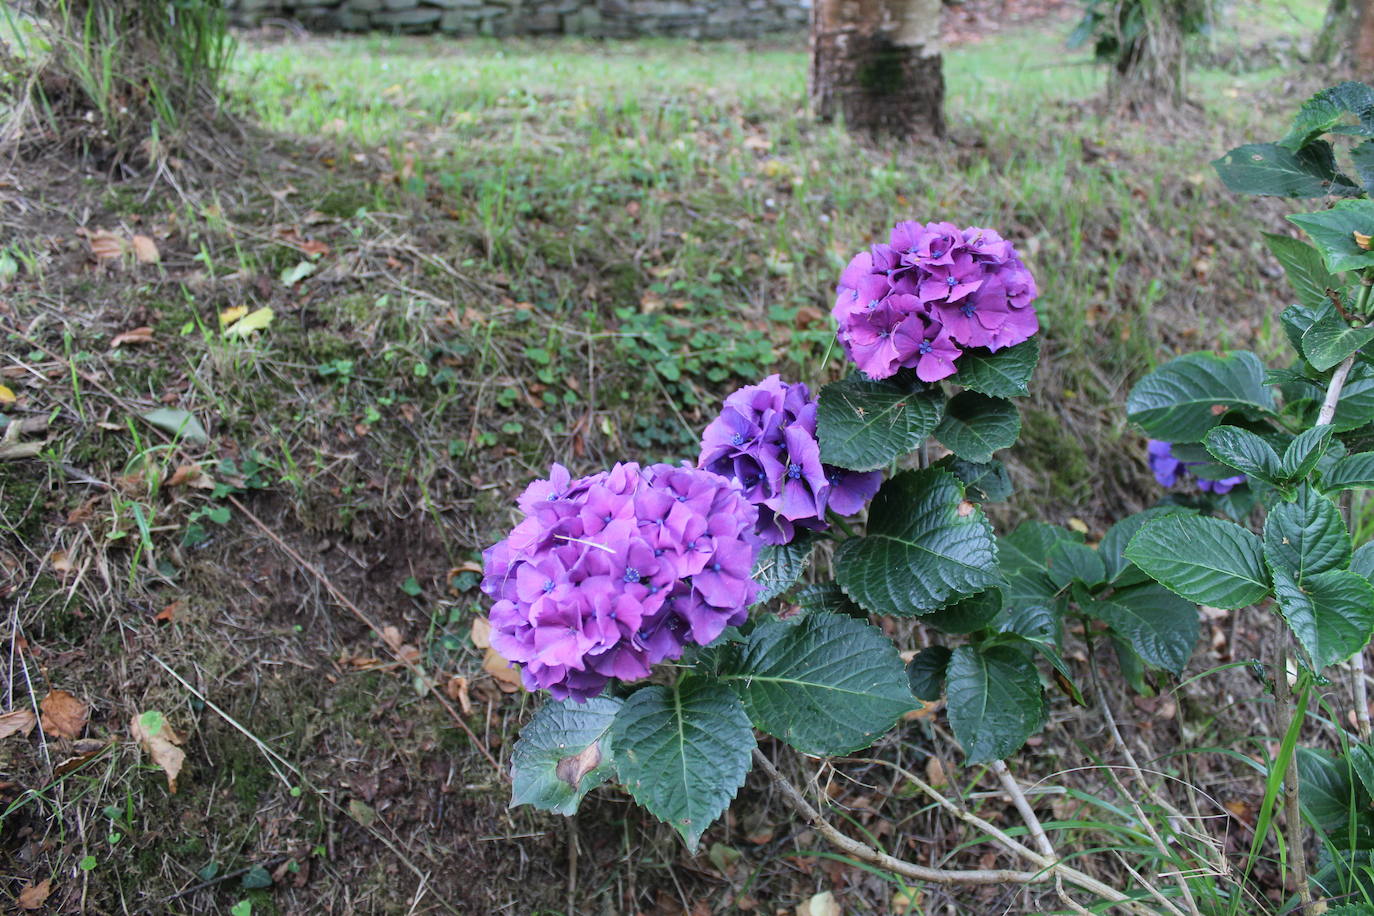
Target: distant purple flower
{"points": [[611, 574], [1169, 470], [765, 438], [968, 288]]}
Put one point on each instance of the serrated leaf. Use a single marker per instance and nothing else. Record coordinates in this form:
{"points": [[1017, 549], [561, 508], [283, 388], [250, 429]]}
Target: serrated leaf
{"points": [[1350, 473], [1324, 112], [1030, 544], [1206, 560], [1271, 170], [826, 596], [1303, 453], [925, 545], [1330, 340], [1333, 232], [1004, 374], [1356, 405], [1243, 451], [1329, 792], [983, 482], [994, 701], [1161, 627], [1112, 550], [972, 613], [563, 753], [1183, 399], [1362, 157], [682, 752], [178, 422], [1331, 613], [1306, 536], [975, 426], [1362, 561], [926, 673], [827, 685], [1073, 562], [778, 566], [1306, 271], [862, 425], [1034, 622]]}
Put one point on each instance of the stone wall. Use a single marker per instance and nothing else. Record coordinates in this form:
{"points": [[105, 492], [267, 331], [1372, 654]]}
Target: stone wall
{"points": [[605, 18]]}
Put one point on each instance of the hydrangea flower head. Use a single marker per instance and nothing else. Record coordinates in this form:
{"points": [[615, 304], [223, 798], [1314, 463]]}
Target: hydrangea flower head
{"points": [[1169, 470], [611, 574], [765, 438], [933, 289]]}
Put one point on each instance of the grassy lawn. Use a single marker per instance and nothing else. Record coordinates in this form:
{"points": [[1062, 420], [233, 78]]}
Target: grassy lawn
{"points": [[481, 257]]}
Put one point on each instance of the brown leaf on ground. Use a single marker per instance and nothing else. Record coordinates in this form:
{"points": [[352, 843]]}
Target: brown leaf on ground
{"points": [[507, 678], [169, 613], [64, 716], [17, 721], [191, 475], [105, 245], [457, 690], [35, 895], [481, 632], [155, 735], [822, 904], [136, 336], [61, 562], [145, 249], [83, 749]]}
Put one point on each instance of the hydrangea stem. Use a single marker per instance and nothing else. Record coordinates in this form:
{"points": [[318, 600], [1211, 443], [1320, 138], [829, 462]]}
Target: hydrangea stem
{"points": [[1289, 709]]}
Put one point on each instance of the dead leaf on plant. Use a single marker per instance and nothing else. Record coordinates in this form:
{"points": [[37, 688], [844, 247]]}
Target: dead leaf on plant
{"points": [[64, 716], [136, 336], [507, 678], [35, 895], [156, 736], [145, 249], [17, 721]]}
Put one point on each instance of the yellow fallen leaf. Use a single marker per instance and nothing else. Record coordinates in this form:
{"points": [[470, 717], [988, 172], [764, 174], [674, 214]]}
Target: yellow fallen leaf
{"points": [[507, 678], [7, 396], [230, 315], [1077, 524], [822, 904], [155, 736], [253, 321]]}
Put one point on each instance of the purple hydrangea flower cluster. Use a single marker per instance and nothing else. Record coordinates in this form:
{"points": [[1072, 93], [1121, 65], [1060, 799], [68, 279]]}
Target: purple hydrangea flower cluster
{"points": [[930, 293], [610, 574], [765, 438], [1168, 470]]}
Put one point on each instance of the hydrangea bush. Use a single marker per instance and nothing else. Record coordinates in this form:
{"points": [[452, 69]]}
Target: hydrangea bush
{"points": [[670, 612]]}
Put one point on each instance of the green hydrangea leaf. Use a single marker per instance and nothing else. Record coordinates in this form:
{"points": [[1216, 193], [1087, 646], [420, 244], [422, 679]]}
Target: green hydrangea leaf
{"points": [[975, 426], [683, 751], [926, 673], [1206, 560], [994, 700], [778, 566], [1306, 536], [1243, 451], [563, 753], [925, 546], [1004, 374], [827, 685], [1306, 272], [1331, 613], [1333, 232], [1183, 399], [1160, 627], [862, 424]]}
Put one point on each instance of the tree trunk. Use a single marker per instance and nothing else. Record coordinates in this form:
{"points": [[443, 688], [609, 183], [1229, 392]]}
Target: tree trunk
{"points": [[1149, 73], [1362, 40], [877, 63], [1346, 40]]}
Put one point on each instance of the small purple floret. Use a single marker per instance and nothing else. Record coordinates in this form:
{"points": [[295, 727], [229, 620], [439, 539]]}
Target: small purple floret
{"points": [[611, 574], [1169, 470]]}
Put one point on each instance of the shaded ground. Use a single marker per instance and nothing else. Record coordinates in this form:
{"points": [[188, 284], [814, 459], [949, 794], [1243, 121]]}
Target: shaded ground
{"points": [[513, 254]]}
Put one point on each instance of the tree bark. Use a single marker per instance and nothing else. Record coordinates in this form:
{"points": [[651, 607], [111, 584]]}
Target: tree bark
{"points": [[1149, 72], [877, 64], [1362, 41]]}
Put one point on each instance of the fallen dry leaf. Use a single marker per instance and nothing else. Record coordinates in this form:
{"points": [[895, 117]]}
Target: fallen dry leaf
{"points": [[169, 613], [191, 475], [35, 895], [17, 721], [392, 637], [7, 396], [61, 562], [230, 315], [105, 245], [136, 336], [145, 249], [156, 736], [822, 904], [481, 632], [457, 690], [83, 749], [64, 716], [507, 678]]}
